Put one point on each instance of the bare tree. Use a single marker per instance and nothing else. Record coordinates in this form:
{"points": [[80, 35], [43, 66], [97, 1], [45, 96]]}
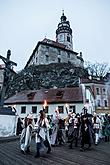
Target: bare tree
{"points": [[97, 69]]}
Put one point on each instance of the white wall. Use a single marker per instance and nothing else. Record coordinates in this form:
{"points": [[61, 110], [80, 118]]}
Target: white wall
{"points": [[7, 125], [51, 109], [91, 104]]}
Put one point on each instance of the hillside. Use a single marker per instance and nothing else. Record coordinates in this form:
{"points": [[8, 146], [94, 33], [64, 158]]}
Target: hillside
{"points": [[45, 76]]}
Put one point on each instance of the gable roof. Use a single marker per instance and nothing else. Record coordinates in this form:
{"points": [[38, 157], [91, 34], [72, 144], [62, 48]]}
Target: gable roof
{"points": [[61, 95]]}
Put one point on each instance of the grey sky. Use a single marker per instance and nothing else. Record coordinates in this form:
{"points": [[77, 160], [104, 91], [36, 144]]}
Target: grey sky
{"points": [[25, 22]]}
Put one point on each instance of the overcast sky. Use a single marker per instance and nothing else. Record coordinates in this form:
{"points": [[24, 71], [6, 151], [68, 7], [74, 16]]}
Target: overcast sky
{"points": [[25, 22]]}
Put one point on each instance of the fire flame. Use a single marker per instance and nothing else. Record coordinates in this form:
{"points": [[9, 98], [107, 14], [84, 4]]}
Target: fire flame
{"points": [[45, 104]]}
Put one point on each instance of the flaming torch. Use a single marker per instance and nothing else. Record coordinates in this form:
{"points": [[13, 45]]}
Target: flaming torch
{"points": [[44, 105], [66, 107]]}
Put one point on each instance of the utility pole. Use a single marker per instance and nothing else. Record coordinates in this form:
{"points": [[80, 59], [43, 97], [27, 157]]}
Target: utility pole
{"points": [[7, 71]]}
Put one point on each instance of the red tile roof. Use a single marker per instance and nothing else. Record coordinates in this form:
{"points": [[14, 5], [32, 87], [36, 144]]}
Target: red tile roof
{"points": [[63, 95]]}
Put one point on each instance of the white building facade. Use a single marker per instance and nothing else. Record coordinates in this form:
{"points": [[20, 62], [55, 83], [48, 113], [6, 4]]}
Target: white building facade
{"points": [[55, 98]]}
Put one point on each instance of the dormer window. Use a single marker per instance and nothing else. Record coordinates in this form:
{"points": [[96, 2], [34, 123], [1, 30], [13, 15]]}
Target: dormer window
{"points": [[59, 94], [31, 95]]}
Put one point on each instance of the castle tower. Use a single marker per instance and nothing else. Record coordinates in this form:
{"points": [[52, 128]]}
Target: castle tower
{"points": [[64, 32]]}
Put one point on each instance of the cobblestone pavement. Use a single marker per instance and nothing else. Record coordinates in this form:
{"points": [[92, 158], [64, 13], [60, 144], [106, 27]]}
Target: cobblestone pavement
{"points": [[61, 155]]}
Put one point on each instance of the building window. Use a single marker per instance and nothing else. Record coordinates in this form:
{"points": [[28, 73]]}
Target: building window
{"points": [[68, 38], [46, 109], [97, 91], [34, 109], [105, 103], [59, 94], [61, 109], [104, 91], [59, 60], [23, 109], [68, 55], [61, 37], [47, 58], [98, 103], [73, 108]]}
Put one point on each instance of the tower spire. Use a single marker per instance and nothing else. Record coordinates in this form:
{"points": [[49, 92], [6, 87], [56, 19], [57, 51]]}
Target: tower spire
{"points": [[64, 32], [62, 12], [63, 17]]}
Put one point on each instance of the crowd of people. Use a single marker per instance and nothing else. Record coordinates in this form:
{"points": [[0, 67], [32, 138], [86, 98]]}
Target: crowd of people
{"points": [[81, 130]]}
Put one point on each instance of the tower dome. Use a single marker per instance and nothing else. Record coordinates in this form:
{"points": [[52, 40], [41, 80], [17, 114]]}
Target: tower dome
{"points": [[64, 32]]}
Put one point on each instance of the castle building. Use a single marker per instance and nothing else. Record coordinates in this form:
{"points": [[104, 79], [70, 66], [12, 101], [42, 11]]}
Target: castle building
{"points": [[60, 51]]}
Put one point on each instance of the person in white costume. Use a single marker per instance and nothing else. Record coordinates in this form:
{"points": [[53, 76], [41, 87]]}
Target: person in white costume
{"points": [[42, 134], [25, 139], [55, 127], [96, 127]]}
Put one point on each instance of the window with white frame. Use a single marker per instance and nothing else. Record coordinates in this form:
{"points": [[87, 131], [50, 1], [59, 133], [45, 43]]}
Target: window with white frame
{"points": [[23, 109]]}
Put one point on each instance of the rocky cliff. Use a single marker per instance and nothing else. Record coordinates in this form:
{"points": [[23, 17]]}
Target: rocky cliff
{"points": [[45, 76]]}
